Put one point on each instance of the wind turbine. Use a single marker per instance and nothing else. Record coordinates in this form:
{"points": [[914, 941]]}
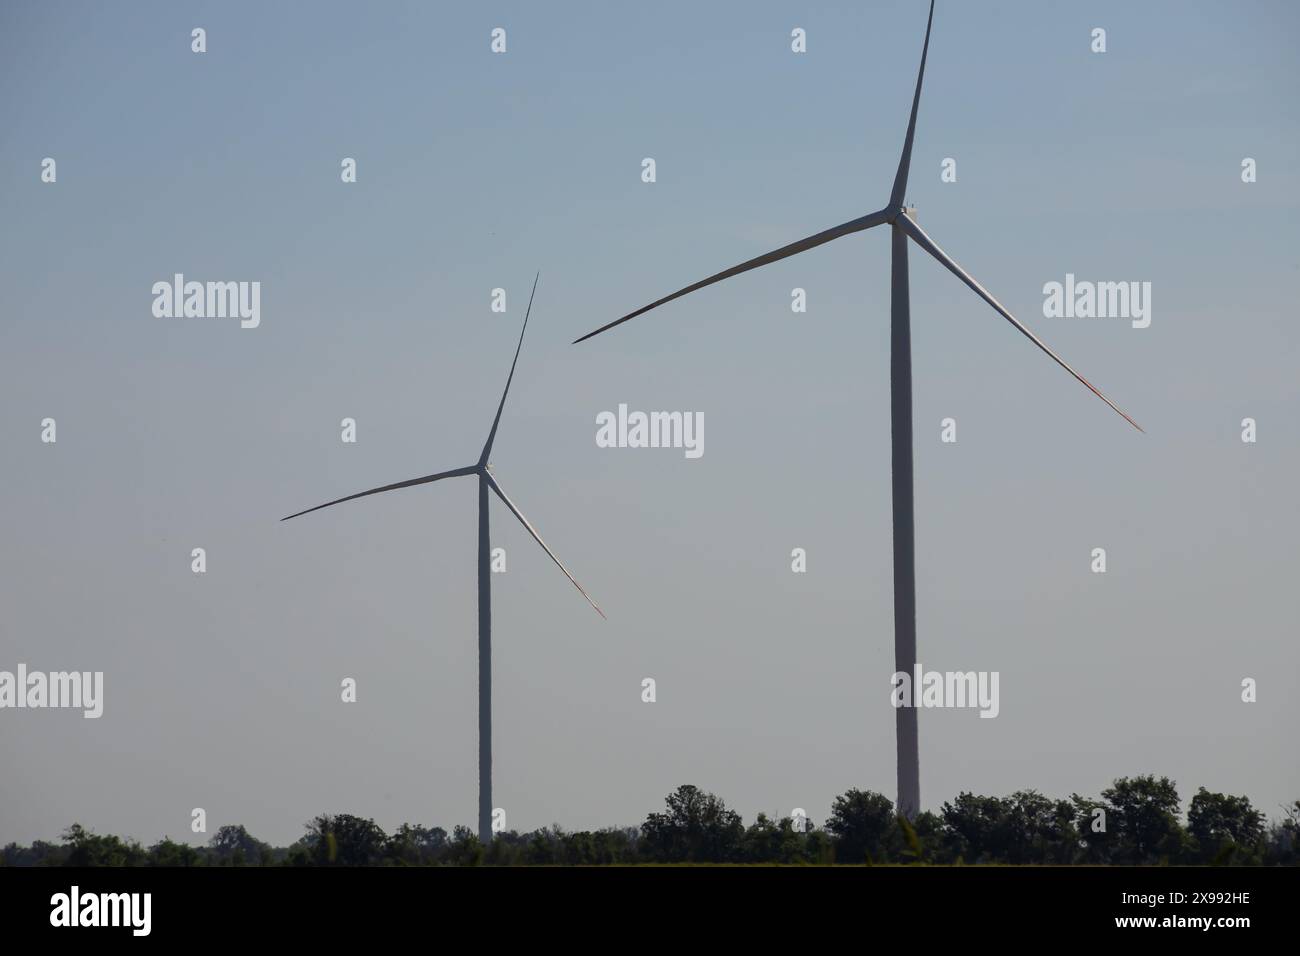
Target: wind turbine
{"points": [[486, 479], [903, 227]]}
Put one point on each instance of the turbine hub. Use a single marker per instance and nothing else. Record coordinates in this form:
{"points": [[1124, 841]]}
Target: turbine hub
{"points": [[899, 211]]}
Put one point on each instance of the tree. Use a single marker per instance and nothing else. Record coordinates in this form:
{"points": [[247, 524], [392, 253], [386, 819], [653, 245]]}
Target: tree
{"points": [[415, 845], [977, 829], [768, 841], [1041, 830], [1144, 819], [1224, 827], [861, 824], [616, 845], [697, 828], [927, 827], [302, 852], [168, 852], [1093, 845], [465, 848], [544, 846], [233, 845], [506, 848], [1283, 842], [345, 840], [578, 849], [40, 853], [819, 848], [87, 849]]}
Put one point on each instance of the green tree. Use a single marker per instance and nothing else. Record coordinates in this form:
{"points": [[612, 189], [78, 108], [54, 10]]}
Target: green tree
{"points": [[506, 849], [1225, 829], [616, 845], [1283, 840], [1093, 846], [1040, 830], [1143, 818], [543, 846], [415, 845], [697, 828], [861, 824], [769, 841], [929, 833], [40, 853], [87, 849], [233, 845], [302, 852], [345, 840], [978, 829], [168, 852], [819, 848], [465, 848]]}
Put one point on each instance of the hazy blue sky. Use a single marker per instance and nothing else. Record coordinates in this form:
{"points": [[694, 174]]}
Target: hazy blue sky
{"points": [[475, 170]]}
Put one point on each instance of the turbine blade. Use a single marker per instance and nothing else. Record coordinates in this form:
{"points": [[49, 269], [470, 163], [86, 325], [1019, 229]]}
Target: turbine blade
{"points": [[854, 225], [455, 473], [487, 448], [925, 242], [905, 161], [538, 538]]}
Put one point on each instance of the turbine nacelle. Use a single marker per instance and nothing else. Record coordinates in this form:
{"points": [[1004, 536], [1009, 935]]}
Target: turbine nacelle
{"points": [[891, 213]]}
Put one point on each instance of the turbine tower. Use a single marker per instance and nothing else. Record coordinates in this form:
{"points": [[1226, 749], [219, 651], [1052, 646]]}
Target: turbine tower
{"points": [[902, 227], [486, 480]]}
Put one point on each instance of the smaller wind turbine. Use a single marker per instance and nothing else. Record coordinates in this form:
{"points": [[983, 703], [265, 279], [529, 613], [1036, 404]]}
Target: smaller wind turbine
{"points": [[486, 479]]}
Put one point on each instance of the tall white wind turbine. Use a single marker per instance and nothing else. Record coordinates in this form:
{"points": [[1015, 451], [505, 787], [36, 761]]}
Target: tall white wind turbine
{"points": [[903, 227]]}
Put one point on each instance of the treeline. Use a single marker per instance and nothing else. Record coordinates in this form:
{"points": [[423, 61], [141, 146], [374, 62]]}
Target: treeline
{"points": [[1136, 821]]}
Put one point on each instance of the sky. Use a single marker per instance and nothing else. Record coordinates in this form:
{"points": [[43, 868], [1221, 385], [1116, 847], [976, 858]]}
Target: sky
{"points": [[477, 169]]}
